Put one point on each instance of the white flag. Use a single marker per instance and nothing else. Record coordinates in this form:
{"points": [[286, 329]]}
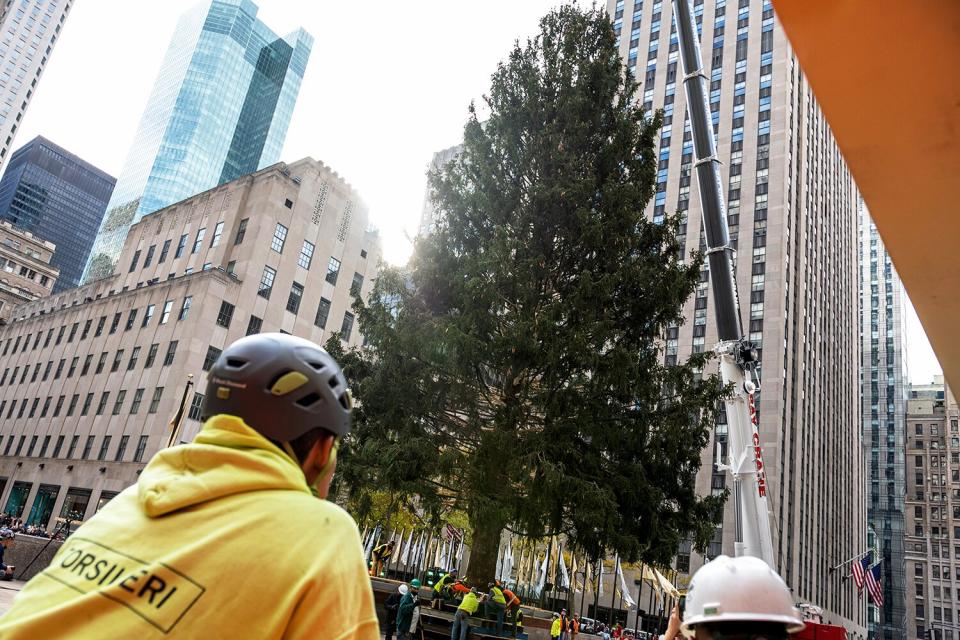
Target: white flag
{"points": [[564, 578], [405, 557], [600, 577], [373, 537], [506, 568], [623, 587], [542, 579]]}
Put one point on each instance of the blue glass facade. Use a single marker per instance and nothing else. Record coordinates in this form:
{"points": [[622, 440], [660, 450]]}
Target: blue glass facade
{"points": [[220, 108], [57, 196]]}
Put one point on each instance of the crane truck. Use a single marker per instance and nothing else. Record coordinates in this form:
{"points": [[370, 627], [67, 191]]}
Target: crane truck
{"points": [[737, 355]]}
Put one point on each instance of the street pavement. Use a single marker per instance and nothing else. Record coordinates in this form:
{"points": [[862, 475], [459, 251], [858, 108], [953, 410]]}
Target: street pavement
{"points": [[7, 591]]}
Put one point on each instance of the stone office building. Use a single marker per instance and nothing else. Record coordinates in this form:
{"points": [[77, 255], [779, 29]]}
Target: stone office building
{"points": [[90, 378], [25, 271]]}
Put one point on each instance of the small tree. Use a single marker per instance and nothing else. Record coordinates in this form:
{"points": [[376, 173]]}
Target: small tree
{"points": [[515, 369]]}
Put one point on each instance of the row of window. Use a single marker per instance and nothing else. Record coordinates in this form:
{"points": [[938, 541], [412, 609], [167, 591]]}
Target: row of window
{"points": [[19, 406], [101, 364], [71, 452]]}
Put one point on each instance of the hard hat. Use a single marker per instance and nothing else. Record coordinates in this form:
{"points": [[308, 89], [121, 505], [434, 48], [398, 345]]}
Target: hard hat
{"points": [[415, 584], [7, 534], [403, 589], [743, 589], [280, 385]]}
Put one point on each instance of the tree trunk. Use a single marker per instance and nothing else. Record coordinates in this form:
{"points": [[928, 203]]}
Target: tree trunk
{"points": [[483, 552]]}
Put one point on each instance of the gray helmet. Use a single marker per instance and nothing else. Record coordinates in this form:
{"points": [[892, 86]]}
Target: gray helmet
{"points": [[7, 534], [281, 385]]}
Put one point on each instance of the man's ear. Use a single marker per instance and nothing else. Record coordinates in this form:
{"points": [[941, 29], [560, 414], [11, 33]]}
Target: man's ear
{"points": [[319, 458]]}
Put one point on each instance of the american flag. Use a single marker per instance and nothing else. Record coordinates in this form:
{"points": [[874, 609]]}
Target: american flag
{"points": [[873, 585], [859, 572]]}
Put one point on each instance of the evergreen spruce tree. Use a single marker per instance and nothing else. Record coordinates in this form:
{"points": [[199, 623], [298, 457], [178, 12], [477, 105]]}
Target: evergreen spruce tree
{"points": [[515, 369]]}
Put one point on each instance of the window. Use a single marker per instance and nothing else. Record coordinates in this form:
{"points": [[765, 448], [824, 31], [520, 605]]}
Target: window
{"points": [[225, 316], [347, 327], [33, 444], [117, 357], [279, 238], [57, 448], [163, 252], [212, 354], [131, 318], [171, 352], [121, 396], [74, 441], [155, 400], [88, 447], [101, 362], [198, 242], [115, 322], [185, 308], [148, 315], [356, 285], [333, 270], [181, 246], [306, 254], [56, 410], [73, 366], [149, 259], [165, 314], [73, 405], [151, 355], [253, 326], [241, 231], [137, 399], [196, 406], [296, 295], [103, 402], [73, 332], [100, 323], [217, 232], [288, 203], [323, 312], [86, 404], [266, 282], [86, 329], [134, 356], [141, 448], [121, 449], [103, 448], [56, 376]]}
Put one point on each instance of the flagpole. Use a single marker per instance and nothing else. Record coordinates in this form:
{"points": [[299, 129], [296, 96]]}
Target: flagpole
{"points": [[583, 594], [177, 422], [848, 561]]}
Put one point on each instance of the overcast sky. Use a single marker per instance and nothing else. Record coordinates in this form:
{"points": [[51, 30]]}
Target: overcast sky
{"points": [[388, 84]]}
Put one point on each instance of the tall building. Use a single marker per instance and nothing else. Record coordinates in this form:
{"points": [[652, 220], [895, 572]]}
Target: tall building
{"points": [[61, 198], [219, 109], [29, 29], [932, 541], [428, 216], [884, 385], [25, 271], [90, 378], [792, 212]]}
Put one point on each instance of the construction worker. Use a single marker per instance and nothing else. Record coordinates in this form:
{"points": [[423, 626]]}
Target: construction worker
{"points": [[513, 606], [391, 605], [405, 612], [461, 619], [442, 586], [736, 598], [380, 555], [7, 536], [496, 605], [556, 626], [229, 536], [575, 626]]}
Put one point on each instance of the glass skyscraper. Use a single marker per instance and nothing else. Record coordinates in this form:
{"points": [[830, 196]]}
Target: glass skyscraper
{"points": [[59, 197], [219, 109]]}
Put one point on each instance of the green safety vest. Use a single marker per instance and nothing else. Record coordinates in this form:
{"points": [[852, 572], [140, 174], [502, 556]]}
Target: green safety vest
{"points": [[498, 596]]}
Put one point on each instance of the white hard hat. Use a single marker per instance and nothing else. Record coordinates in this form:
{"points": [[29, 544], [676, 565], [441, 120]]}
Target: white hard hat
{"points": [[743, 589], [403, 589]]}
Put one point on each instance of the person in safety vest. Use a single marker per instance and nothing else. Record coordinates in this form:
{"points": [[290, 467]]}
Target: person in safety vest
{"points": [[513, 606], [736, 598], [496, 605], [442, 586], [556, 627], [461, 620], [170, 557], [381, 555]]}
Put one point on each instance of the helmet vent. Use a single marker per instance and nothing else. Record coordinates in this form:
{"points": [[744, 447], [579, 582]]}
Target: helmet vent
{"points": [[319, 366], [333, 382], [344, 401], [236, 363], [309, 400]]}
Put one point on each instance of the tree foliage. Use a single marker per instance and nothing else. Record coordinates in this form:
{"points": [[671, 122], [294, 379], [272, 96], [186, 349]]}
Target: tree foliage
{"points": [[515, 368]]}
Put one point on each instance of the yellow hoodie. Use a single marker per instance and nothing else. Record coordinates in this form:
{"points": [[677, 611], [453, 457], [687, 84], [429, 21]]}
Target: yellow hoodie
{"points": [[220, 538]]}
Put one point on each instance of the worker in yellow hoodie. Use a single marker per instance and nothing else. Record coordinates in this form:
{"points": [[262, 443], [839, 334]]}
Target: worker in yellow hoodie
{"points": [[224, 537]]}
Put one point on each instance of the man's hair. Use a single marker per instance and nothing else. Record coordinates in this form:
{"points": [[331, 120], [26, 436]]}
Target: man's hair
{"points": [[301, 446]]}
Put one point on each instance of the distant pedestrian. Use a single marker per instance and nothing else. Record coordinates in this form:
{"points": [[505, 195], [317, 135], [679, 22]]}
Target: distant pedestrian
{"points": [[6, 540]]}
